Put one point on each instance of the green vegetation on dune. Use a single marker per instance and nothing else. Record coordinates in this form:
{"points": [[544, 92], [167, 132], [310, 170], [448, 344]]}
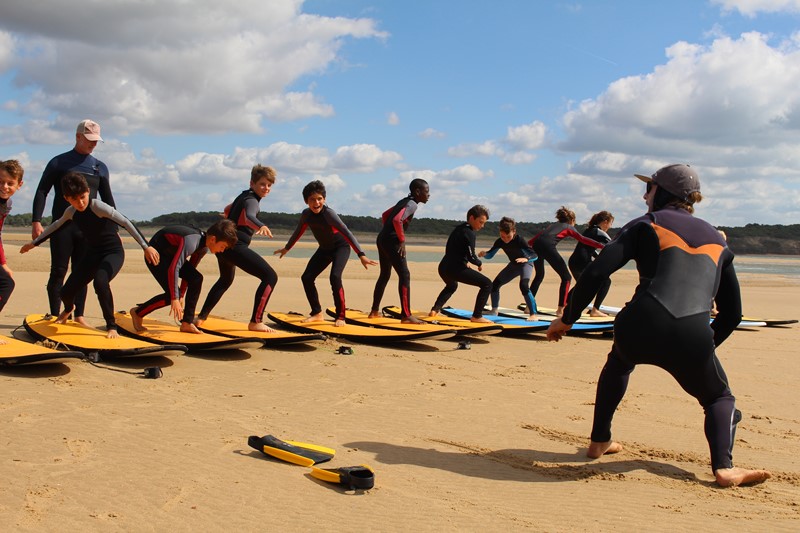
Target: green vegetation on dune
{"points": [[760, 239]]}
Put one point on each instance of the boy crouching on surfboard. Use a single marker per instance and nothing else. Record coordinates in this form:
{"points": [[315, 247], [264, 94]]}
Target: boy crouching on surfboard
{"points": [[181, 248], [99, 223], [10, 181]]}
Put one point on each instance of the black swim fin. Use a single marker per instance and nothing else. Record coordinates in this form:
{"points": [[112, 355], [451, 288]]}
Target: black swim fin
{"points": [[354, 477], [299, 453]]}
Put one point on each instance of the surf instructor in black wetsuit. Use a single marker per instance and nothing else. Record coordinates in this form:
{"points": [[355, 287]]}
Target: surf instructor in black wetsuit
{"points": [[684, 265], [69, 244]]}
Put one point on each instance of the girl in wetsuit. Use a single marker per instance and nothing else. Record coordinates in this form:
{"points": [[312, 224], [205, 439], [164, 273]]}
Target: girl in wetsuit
{"points": [[684, 265], [544, 244], [583, 255], [99, 223], [521, 258], [335, 241], [392, 249], [454, 266], [244, 212]]}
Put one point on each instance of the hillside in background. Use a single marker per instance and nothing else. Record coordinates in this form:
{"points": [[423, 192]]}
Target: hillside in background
{"points": [[757, 239]]}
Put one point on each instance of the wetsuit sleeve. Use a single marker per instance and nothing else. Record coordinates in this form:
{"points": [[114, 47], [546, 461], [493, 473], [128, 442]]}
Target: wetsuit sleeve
{"points": [[43, 189], [614, 256], [572, 232], [493, 250], [470, 238], [251, 210], [399, 220], [302, 224], [55, 226], [526, 250], [729, 304], [335, 222], [104, 210], [104, 187]]}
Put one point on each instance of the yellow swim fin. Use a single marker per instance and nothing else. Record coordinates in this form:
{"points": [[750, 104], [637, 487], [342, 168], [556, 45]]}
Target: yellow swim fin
{"points": [[299, 453]]}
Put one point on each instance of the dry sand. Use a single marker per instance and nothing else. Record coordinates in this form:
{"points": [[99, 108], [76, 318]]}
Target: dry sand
{"points": [[490, 439]]}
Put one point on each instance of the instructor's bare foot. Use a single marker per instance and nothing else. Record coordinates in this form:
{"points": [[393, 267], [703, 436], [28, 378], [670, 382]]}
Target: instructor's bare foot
{"points": [[597, 313], [188, 327], [733, 477], [258, 326], [411, 320], [374, 314], [82, 321], [480, 320], [137, 320], [314, 318], [112, 333], [598, 449]]}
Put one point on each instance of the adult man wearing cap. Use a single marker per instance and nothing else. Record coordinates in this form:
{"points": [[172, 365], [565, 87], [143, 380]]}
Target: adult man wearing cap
{"points": [[684, 265], [69, 243]]}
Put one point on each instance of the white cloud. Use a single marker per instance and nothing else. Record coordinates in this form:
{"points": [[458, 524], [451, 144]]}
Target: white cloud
{"points": [[512, 149], [431, 133], [172, 61], [392, 119], [528, 136], [751, 8]]}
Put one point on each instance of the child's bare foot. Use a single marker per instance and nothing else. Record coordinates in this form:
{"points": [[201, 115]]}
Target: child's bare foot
{"points": [[199, 321], [411, 320], [560, 311], [112, 333], [314, 318], [733, 477], [597, 313], [64, 316], [188, 327], [374, 314], [3, 341], [137, 320], [339, 323], [493, 312], [480, 320], [82, 321], [598, 449], [433, 312], [532, 318], [258, 326]]}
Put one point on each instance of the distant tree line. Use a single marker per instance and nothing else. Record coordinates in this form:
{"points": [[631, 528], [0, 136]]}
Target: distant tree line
{"points": [[762, 239]]}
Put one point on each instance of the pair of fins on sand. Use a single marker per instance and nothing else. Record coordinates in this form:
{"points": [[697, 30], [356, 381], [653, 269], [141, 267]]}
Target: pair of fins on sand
{"points": [[300, 453]]}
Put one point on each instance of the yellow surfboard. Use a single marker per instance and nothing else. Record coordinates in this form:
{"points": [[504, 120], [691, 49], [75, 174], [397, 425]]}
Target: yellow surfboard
{"points": [[159, 332], [461, 325], [93, 341], [16, 352], [234, 329]]}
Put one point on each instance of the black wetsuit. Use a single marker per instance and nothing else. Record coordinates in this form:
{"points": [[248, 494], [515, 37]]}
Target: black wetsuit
{"points": [[68, 245], [582, 257], [458, 252], [6, 281], [544, 244], [181, 248], [243, 211], [335, 241], [99, 223], [392, 234], [515, 249], [683, 265]]}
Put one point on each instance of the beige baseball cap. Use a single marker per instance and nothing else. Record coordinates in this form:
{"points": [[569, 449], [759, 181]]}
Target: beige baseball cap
{"points": [[90, 129]]}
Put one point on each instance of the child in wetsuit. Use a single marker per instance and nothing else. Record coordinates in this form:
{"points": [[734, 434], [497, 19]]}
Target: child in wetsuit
{"points": [[181, 248], [521, 258], [392, 249], [244, 213], [99, 223], [454, 267], [335, 241], [11, 173]]}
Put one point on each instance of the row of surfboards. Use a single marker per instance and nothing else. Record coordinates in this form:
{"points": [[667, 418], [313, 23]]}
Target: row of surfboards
{"points": [[60, 342]]}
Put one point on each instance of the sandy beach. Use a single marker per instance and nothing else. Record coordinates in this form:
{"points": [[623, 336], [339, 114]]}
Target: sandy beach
{"points": [[492, 438]]}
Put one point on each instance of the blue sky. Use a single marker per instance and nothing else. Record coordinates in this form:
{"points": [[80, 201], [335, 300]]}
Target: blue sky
{"points": [[523, 106]]}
